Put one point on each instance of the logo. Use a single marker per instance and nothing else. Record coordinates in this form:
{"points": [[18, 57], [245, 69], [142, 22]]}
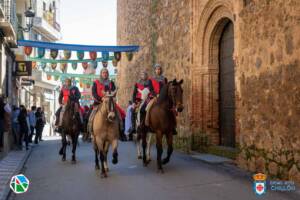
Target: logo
{"points": [[19, 184], [260, 186]]}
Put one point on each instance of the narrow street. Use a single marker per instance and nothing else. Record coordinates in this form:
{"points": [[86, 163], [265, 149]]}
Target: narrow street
{"points": [[184, 178]]}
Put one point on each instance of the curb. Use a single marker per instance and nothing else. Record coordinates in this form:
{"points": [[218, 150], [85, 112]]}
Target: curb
{"points": [[7, 191]]}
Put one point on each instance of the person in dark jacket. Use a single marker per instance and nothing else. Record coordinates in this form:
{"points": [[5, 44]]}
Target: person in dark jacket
{"points": [[39, 124], [22, 118], [2, 112], [68, 92]]}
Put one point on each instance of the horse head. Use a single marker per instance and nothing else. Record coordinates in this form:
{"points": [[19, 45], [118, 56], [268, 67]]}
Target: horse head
{"points": [[175, 92], [109, 105]]}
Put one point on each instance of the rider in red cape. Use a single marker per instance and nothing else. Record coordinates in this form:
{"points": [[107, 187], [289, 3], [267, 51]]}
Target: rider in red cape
{"points": [[68, 92], [159, 80], [98, 91], [143, 83]]}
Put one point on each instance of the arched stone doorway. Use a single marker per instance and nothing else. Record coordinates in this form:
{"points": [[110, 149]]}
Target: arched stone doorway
{"points": [[213, 73], [226, 87]]}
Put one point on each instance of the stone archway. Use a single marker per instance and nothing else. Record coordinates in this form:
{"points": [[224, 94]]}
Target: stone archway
{"points": [[206, 70]]}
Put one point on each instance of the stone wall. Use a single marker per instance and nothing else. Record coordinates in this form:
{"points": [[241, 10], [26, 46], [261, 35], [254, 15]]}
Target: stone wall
{"points": [[159, 27], [183, 36], [269, 75]]}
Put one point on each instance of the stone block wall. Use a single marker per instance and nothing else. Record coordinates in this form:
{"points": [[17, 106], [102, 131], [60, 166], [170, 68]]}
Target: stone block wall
{"points": [[182, 35], [269, 76]]}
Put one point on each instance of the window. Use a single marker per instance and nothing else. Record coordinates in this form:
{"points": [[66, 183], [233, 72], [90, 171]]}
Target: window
{"points": [[44, 6]]}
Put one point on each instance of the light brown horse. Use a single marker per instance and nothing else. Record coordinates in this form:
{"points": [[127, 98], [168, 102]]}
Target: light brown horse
{"points": [[105, 132], [71, 128], [162, 119]]}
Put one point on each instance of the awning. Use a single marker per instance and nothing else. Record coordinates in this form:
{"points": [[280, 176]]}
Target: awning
{"points": [[77, 47]]}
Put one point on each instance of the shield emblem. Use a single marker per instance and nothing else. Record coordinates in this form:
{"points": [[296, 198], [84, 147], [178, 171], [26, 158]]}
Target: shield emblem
{"points": [[260, 187]]}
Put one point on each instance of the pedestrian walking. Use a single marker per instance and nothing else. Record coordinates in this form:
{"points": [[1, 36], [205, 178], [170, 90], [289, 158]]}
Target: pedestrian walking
{"points": [[15, 125], [39, 125], [128, 121], [24, 130], [32, 122], [44, 123]]}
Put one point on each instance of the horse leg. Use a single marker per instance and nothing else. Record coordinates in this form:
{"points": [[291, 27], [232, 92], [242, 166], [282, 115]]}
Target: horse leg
{"points": [[138, 145], [106, 147], [159, 149], [74, 143], [64, 146], [100, 145], [115, 151], [170, 148], [96, 156], [149, 147], [144, 144]]}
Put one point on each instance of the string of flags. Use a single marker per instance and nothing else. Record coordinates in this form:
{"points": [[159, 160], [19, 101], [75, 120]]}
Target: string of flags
{"points": [[60, 55]]}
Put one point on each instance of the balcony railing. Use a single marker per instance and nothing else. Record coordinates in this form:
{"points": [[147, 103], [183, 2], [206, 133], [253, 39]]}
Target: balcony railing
{"points": [[49, 17], [9, 8]]}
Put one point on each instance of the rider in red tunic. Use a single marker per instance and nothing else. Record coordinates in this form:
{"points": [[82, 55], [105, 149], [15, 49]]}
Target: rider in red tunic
{"points": [[98, 91], [159, 80], [68, 92]]}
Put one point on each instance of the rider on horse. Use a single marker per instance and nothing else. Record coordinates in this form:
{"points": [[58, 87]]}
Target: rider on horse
{"points": [[68, 92], [159, 80], [98, 91], [139, 86]]}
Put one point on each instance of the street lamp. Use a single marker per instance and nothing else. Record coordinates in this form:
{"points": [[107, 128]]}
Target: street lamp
{"points": [[29, 16]]}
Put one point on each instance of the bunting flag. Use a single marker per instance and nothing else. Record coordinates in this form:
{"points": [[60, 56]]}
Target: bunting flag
{"points": [[74, 66], [115, 62], [117, 56], [94, 64], [27, 51], [105, 56], [41, 52], [85, 65], [76, 47], [66, 61], [129, 56], [53, 53], [70, 75], [104, 64], [53, 66], [80, 55], [93, 55], [67, 54], [63, 67]]}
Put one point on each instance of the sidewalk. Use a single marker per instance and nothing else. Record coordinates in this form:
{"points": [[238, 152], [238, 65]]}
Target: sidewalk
{"points": [[11, 165]]}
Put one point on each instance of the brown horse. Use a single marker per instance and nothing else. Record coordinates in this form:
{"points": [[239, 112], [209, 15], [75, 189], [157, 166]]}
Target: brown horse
{"points": [[162, 119], [71, 128], [105, 132]]}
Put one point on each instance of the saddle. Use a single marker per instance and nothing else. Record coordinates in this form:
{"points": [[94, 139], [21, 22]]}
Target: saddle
{"points": [[148, 108]]}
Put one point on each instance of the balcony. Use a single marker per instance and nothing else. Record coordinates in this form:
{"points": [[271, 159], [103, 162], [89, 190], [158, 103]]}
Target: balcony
{"points": [[8, 21], [47, 27], [50, 18]]}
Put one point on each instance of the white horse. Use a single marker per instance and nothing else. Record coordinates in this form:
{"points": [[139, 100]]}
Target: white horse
{"points": [[145, 92]]}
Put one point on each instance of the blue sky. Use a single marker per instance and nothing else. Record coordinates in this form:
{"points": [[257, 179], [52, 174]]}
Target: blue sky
{"points": [[89, 21]]}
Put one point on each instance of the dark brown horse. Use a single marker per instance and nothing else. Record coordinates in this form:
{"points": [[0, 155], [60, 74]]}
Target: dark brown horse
{"points": [[71, 128], [162, 119]]}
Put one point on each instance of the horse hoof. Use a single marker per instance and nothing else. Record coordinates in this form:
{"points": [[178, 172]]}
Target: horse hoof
{"points": [[63, 159], [103, 175], [115, 161], [160, 171], [140, 157], [165, 161]]}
